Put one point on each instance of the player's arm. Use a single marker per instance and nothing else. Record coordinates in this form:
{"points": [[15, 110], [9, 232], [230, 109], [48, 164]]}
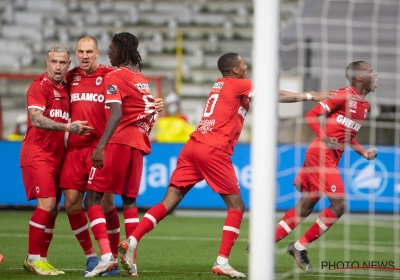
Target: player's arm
{"points": [[313, 123], [112, 124], [368, 154], [38, 120], [290, 97]]}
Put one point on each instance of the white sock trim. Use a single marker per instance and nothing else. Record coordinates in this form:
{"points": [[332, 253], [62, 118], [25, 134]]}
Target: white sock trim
{"points": [[97, 221], [79, 230], [285, 226], [229, 228], [322, 225], [112, 231], [49, 230], [298, 246], [151, 218], [37, 225], [132, 220]]}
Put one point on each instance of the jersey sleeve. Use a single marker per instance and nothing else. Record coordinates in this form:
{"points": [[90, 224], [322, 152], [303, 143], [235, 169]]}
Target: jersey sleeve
{"points": [[245, 88], [36, 97], [112, 89]]}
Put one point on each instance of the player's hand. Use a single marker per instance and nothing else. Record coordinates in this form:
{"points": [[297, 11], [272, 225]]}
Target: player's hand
{"points": [[159, 104], [330, 142], [97, 158], [370, 154], [317, 96], [79, 128]]}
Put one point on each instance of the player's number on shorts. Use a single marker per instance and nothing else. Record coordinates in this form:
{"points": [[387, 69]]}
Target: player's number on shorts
{"points": [[210, 108], [148, 104]]}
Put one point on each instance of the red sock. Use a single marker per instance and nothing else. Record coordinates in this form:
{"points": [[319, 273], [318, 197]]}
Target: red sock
{"points": [[37, 224], [149, 221], [325, 220], [47, 236], [131, 217], [79, 226], [230, 232], [113, 230], [98, 225], [289, 221]]}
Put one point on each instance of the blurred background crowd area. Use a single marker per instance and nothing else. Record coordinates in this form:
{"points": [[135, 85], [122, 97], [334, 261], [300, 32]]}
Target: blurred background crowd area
{"points": [[181, 41]]}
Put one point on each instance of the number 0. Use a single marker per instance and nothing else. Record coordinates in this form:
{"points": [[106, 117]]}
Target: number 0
{"points": [[208, 111]]}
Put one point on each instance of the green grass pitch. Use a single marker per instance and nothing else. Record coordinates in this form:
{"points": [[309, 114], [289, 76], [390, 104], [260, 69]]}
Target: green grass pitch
{"points": [[186, 248]]}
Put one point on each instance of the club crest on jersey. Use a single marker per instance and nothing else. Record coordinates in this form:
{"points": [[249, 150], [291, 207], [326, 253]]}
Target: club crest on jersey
{"points": [[111, 89], [77, 78], [353, 104], [99, 80], [57, 96]]}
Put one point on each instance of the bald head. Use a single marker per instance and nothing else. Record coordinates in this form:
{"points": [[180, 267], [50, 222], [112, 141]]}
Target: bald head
{"points": [[87, 53]]}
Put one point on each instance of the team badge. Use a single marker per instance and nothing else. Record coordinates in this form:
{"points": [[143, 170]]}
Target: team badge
{"points": [[365, 113], [353, 104], [333, 188], [57, 96], [37, 189], [77, 78], [98, 81], [111, 89]]}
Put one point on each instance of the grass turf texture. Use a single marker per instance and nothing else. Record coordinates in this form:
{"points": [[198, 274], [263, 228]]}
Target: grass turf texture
{"points": [[186, 248]]}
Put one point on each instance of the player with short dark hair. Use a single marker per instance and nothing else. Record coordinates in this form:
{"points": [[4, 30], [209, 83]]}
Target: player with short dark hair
{"points": [[118, 157], [319, 176], [42, 154], [206, 155]]}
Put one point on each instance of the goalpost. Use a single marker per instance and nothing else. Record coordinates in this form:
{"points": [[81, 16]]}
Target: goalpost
{"points": [[263, 145]]}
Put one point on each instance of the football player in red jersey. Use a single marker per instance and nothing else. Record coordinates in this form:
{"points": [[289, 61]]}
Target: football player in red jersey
{"points": [[319, 175], [118, 157], [87, 91], [42, 154], [87, 101], [206, 155]]}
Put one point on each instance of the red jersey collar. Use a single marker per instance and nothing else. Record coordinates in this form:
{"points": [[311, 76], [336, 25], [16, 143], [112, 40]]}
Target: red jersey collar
{"points": [[355, 92], [51, 81]]}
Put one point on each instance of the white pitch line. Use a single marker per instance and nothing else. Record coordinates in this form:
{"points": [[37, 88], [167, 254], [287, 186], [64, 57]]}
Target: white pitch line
{"points": [[171, 238]]}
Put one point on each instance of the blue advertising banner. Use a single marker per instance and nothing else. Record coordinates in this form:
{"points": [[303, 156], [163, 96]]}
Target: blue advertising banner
{"points": [[370, 185]]}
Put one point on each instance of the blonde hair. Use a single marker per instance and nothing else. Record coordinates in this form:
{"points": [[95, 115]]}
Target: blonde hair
{"points": [[58, 48]]}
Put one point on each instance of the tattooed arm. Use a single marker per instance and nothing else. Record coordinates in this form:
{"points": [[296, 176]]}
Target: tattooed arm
{"points": [[42, 122]]}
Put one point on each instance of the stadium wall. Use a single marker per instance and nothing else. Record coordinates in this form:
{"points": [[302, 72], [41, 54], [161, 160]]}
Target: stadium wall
{"points": [[370, 186]]}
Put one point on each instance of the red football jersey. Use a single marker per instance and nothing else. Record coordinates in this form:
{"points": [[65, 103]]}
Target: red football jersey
{"points": [[132, 90], [43, 145], [345, 114], [224, 113], [87, 103]]}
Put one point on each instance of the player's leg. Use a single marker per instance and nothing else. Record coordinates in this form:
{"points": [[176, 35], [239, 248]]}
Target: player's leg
{"points": [[230, 233], [129, 207], [149, 221], [293, 217], [331, 185], [34, 177], [112, 222], [217, 169], [74, 176]]}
